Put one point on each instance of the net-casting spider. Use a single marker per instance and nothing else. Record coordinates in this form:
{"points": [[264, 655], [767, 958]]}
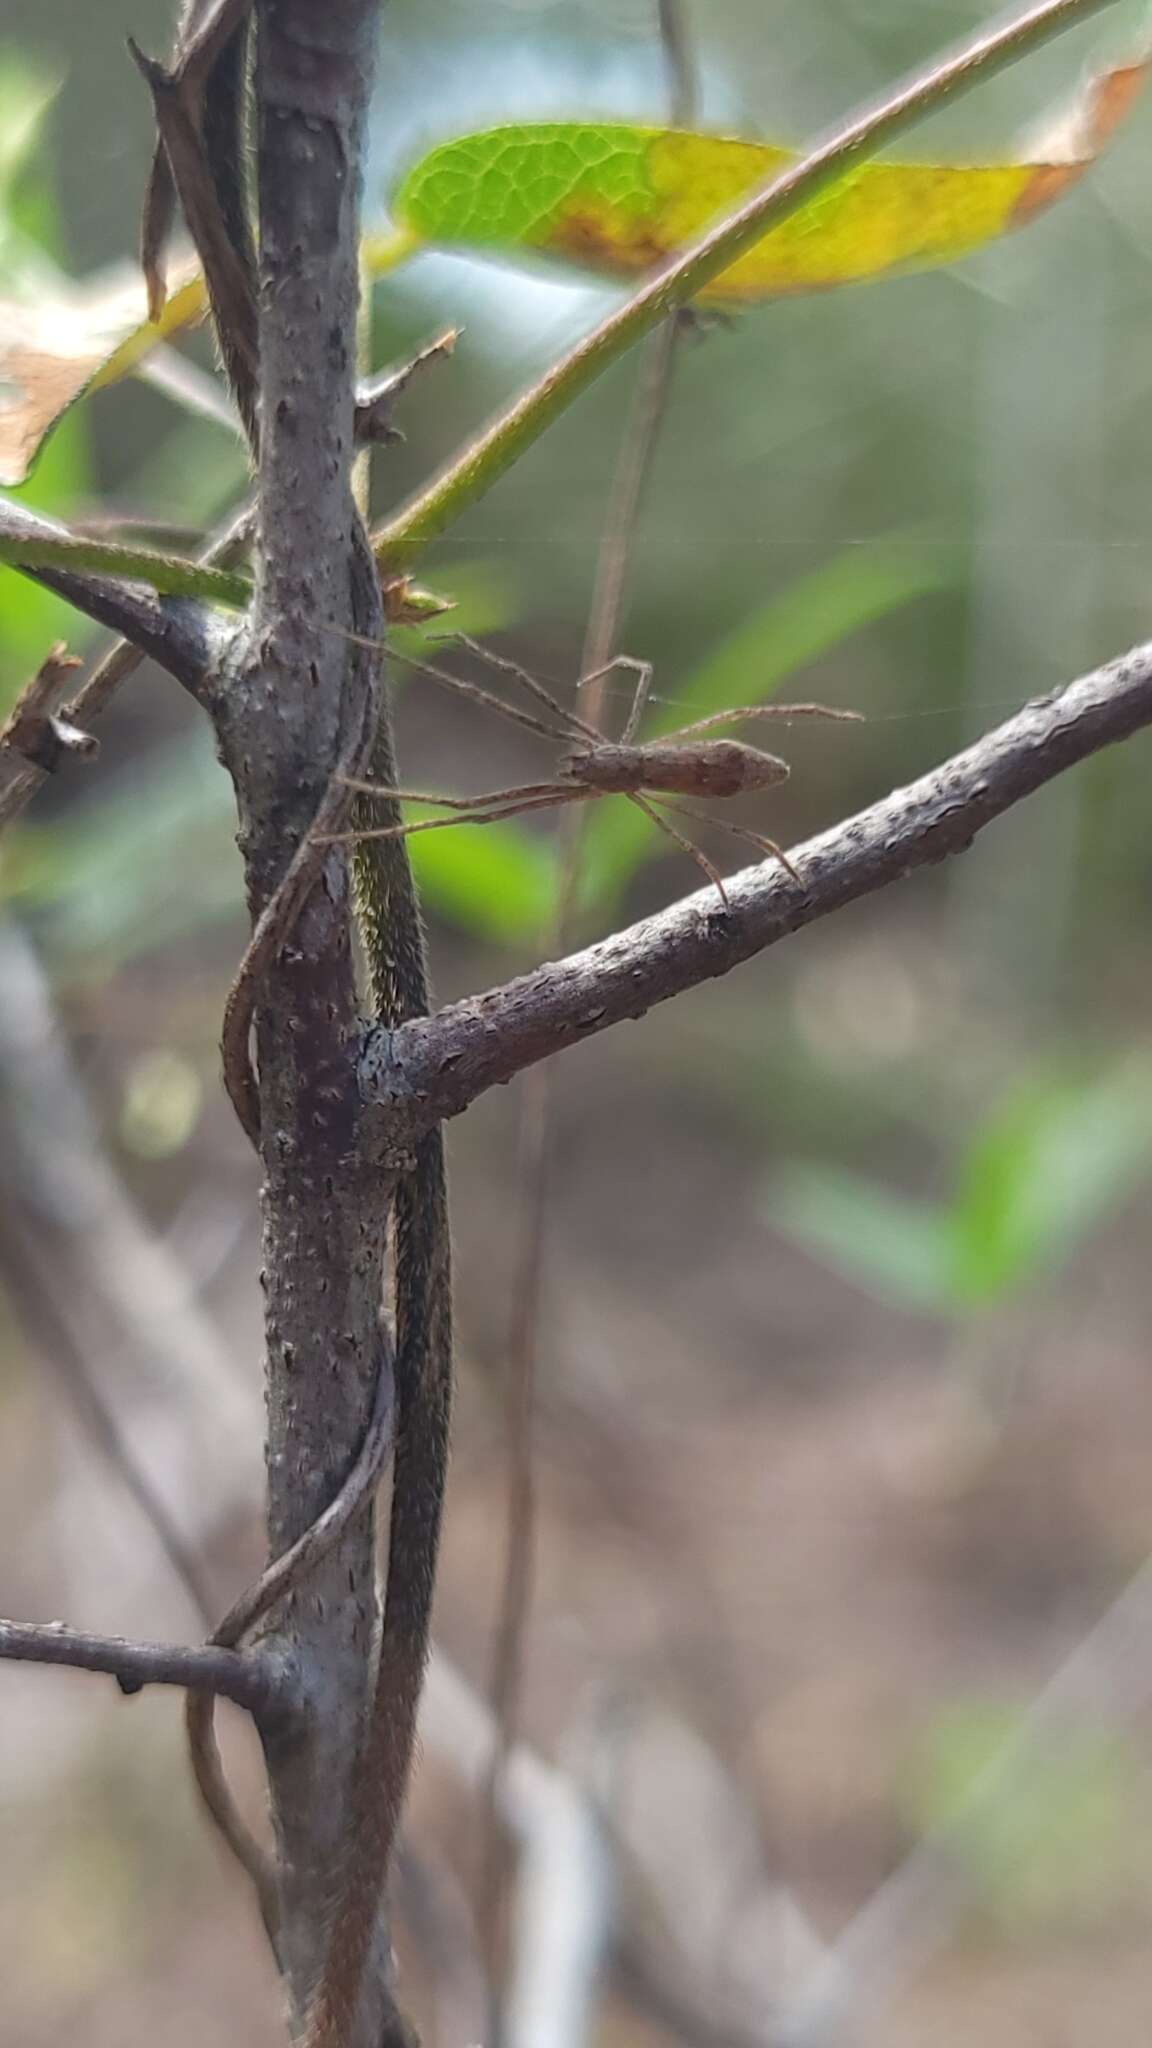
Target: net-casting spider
{"points": [[647, 772]]}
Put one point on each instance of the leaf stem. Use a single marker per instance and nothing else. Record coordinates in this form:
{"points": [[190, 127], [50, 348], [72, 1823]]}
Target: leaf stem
{"points": [[170, 575]]}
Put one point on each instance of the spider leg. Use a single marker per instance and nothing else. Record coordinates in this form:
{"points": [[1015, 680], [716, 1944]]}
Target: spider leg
{"points": [[744, 832], [526, 790], [642, 670], [570, 719], [736, 712], [685, 845], [478, 695], [558, 793]]}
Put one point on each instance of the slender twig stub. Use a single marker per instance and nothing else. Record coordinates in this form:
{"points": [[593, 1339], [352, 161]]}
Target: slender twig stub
{"points": [[253, 1681]]}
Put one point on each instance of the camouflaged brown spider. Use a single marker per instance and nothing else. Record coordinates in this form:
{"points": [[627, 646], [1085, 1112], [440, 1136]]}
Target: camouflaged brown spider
{"points": [[647, 772]]}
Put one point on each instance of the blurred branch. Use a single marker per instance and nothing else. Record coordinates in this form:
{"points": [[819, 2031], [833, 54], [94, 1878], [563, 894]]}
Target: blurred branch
{"points": [[676, 43], [486, 459], [723, 1951], [564, 1900], [59, 1181], [115, 1310], [537, 1120], [33, 1276], [538, 1106], [1106, 1679], [438, 1065], [251, 1678]]}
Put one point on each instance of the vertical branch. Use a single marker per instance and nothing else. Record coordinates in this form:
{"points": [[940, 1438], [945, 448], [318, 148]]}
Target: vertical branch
{"points": [[292, 711]]}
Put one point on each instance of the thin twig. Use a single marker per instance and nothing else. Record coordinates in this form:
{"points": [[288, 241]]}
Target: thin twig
{"points": [[32, 1276], [676, 43], [442, 1063], [563, 1907], [252, 1679], [537, 1132], [76, 1239], [376, 396], [1106, 1678], [34, 731]]}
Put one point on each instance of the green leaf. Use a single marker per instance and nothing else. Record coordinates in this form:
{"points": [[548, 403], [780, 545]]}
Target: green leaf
{"points": [[894, 1248], [1041, 1174], [795, 627], [622, 199]]}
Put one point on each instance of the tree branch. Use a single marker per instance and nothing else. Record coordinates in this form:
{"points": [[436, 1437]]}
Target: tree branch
{"points": [[253, 1679], [20, 777], [438, 1065], [180, 633], [295, 703]]}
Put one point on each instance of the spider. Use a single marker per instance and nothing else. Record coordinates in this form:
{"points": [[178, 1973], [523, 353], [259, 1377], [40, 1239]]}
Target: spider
{"points": [[648, 772]]}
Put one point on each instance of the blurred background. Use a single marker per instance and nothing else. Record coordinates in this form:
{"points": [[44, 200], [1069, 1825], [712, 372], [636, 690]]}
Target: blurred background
{"points": [[845, 1411]]}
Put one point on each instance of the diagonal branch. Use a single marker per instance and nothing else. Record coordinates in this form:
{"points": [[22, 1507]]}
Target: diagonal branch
{"points": [[180, 633], [438, 1065], [251, 1678]]}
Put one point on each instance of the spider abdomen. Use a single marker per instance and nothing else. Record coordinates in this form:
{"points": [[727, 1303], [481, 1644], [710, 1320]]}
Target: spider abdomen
{"points": [[704, 768]]}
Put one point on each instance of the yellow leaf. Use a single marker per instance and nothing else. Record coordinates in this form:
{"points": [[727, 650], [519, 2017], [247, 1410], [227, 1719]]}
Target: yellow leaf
{"points": [[622, 199]]}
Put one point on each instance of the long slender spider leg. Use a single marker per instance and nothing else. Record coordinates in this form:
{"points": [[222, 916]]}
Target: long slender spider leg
{"points": [[745, 832], [453, 803], [685, 845], [736, 712], [561, 793], [458, 683], [571, 719], [488, 698], [643, 673]]}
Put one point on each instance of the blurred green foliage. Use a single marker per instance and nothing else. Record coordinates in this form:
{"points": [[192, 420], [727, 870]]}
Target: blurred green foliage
{"points": [[1038, 1174], [1055, 1828]]}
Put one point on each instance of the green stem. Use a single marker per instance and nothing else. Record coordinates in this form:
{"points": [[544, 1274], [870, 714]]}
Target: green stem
{"points": [[398, 544], [171, 575]]}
